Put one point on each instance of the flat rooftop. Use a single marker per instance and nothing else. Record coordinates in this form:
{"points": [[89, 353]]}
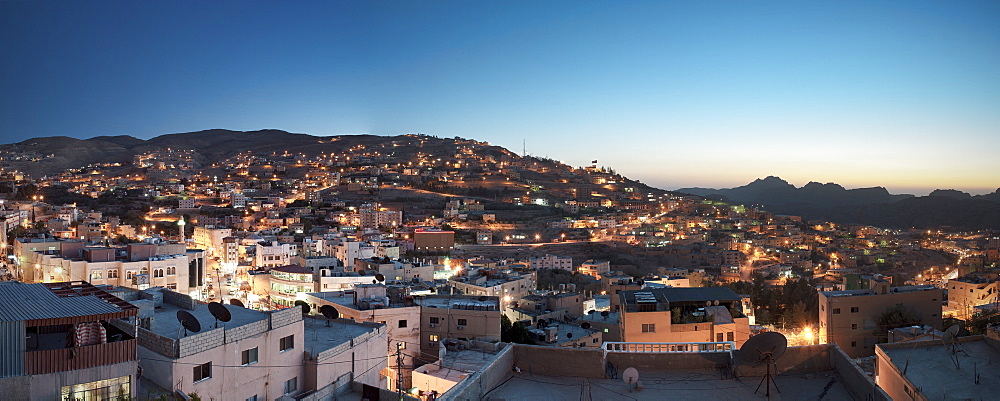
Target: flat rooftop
{"points": [[319, 338], [662, 385], [864, 292], [457, 364], [165, 320], [932, 369]]}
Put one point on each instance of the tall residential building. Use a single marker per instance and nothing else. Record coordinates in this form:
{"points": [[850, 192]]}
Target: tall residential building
{"points": [[849, 318], [65, 341], [210, 238]]}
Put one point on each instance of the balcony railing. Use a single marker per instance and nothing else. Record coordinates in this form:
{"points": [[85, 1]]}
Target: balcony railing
{"points": [[666, 348], [65, 359]]}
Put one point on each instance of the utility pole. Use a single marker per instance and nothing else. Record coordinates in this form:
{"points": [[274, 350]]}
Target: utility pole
{"points": [[399, 370]]}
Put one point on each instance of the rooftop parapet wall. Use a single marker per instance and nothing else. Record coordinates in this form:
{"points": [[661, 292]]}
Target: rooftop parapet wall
{"points": [[284, 317], [332, 352]]}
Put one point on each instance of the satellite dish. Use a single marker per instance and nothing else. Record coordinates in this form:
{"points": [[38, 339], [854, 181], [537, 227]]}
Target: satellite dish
{"points": [[569, 335], [304, 305], [188, 321], [951, 333], [716, 302], [379, 277], [585, 325], [767, 348], [631, 377], [329, 313], [374, 281], [220, 312], [591, 312], [708, 303], [408, 301], [483, 298], [236, 302], [605, 314]]}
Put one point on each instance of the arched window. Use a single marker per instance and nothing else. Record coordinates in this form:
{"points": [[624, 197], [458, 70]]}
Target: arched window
{"points": [[158, 273], [144, 270], [112, 273], [128, 274]]}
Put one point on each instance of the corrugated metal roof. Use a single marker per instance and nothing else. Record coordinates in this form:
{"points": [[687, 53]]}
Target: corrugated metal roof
{"points": [[21, 301]]}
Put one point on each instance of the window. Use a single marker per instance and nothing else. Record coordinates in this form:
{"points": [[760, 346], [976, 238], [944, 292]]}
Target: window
{"points": [[172, 286], [112, 273], [433, 338], [605, 330], [158, 273], [854, 309], [96, 275], [730, 336], [287, 343], [435, 320], [854, 326], [463, 322], [595, 341], [718, 337], [250, 356], [202, 372], [402, 324], [649, 328], [291, 385], [143, 270], [171, 270], [854, 343], [836, 311], [128, 274], [252, 398]]}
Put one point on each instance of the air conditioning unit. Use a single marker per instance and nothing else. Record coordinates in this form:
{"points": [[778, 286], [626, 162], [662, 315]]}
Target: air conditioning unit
{"points": [[433, 325], [460, 327]]}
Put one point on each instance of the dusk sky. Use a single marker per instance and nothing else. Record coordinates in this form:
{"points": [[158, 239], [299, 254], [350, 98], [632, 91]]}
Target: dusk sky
{"points": [[904, 95]]}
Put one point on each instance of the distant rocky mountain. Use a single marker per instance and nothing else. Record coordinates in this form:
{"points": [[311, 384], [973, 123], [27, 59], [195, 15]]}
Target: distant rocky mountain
{"points": [[874, 206]]}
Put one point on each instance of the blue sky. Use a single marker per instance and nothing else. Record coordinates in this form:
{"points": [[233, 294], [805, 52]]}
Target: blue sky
{"points": [[904, 95]]}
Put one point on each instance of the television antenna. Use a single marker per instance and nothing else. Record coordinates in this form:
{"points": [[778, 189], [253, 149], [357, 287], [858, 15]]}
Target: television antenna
{"points": [[329, 313], [236, 302], [631, 377], [766, 348], [188, 322], [220, 312]]}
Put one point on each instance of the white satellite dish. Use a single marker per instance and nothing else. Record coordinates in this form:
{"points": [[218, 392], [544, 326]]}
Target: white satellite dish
{"points": [[631, 377]]}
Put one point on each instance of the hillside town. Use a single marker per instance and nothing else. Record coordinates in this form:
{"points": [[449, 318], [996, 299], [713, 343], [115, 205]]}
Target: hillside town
{"points": [[429, 268]]}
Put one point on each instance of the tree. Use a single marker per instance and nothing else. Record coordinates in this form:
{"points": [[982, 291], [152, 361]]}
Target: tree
{"points": [[513, 332], [893, 317]]}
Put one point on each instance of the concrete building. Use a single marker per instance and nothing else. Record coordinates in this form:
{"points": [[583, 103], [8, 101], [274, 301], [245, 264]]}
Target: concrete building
{"points": [[211, 239], [290, 283], [509, 286], [848, 318], [140, 265], [63, 341], [274, 254], [966, 293], [255, 355], [932, 370], [433, 240], [373, 303], [551, 262], [711, 314], [595, 268], [697, 373], [461, 317]]}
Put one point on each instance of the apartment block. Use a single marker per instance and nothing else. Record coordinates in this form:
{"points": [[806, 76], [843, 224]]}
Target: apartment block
{"points": [[848, 318]]}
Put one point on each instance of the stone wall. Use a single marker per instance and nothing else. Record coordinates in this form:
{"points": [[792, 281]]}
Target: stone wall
{"points": [[247, 330], [855, 380], [795, 360], [559, 361]]}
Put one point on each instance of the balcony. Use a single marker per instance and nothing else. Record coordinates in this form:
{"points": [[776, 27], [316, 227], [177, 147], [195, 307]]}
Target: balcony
{"points": [[65, 359], [48, 352]]}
